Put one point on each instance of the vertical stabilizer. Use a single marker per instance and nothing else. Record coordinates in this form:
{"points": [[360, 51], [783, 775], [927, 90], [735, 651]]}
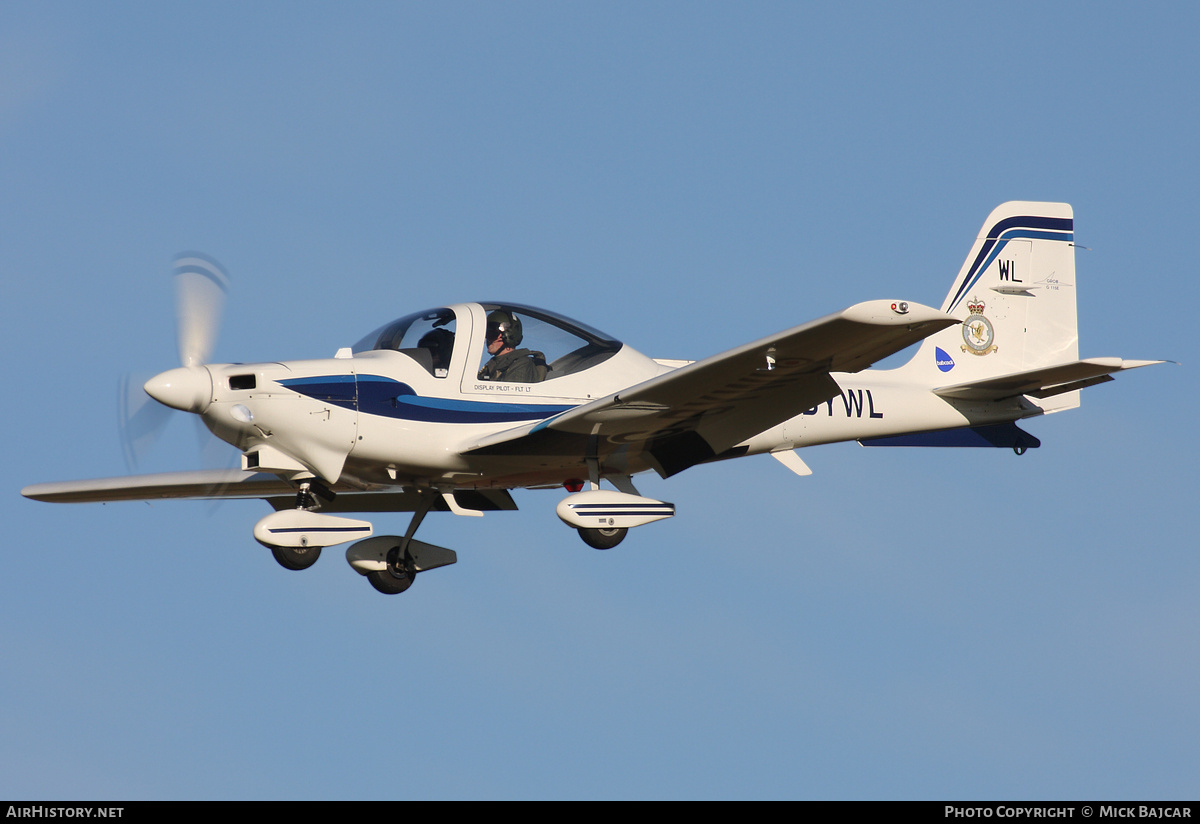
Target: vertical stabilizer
{"points": [[1015, 296]]}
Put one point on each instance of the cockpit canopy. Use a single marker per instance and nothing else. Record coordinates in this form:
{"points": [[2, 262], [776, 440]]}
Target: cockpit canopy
{"points": [[429, 337]]}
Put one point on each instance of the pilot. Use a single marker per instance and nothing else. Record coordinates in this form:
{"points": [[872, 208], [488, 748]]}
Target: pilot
{"points": [[440, 343], [508, 363]]}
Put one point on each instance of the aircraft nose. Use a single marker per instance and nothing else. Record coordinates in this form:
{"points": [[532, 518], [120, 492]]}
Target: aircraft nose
{"points": [[188, 388]]}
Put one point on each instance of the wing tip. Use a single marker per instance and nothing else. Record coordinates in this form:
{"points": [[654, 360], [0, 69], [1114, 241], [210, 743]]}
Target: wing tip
{"points": [[897, 313]]}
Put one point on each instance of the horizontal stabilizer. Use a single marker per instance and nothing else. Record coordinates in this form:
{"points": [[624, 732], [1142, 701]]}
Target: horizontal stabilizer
{"points": [[1042, 383]]}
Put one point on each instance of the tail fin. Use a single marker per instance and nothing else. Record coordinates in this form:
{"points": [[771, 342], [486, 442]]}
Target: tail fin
{"points": [[1015, 296]]}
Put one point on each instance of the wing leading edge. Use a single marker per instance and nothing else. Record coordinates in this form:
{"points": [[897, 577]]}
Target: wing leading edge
{"points": [[234, 483], [200, 484], [701, 410]]}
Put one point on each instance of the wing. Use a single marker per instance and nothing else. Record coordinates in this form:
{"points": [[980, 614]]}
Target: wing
{"points": [[234, 483], [701, 410], [201, 484]]}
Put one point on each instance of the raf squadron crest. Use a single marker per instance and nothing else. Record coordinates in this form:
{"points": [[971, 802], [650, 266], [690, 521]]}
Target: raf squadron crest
{"points": [[977, 330]]}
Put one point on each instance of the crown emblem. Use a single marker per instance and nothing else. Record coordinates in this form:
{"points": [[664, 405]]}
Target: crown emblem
{"points": [[977, 330]]}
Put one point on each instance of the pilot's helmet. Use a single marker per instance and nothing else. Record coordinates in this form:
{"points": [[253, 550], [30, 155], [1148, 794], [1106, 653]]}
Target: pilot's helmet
{"points": [[506, 326]]}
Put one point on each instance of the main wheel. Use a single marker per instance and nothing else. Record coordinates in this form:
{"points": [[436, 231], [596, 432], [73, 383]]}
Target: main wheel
{"points": [[296, 557], [398, 576], [602, 538]]}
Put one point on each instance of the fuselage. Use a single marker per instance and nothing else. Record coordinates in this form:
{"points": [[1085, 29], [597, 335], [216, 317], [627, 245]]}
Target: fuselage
{"points": [[407, 404]]}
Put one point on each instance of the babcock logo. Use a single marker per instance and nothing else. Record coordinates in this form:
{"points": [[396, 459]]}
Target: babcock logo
{"points": [[943, 361]]}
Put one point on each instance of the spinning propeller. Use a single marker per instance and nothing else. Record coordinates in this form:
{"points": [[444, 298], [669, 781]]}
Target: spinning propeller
{"points": [[201, 285]]}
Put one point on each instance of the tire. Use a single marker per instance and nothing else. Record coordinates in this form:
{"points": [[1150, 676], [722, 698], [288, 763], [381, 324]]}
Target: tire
{"points": [[602, 538], [296, 557], [398, 576]]}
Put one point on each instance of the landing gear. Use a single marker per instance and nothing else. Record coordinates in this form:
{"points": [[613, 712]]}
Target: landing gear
{"points": [[295, 536], [397, 577], [602, 538], [296, 557], [401, 570], [602, 516]]}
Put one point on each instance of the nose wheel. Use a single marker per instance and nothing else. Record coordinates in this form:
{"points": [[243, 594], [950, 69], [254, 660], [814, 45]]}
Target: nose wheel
{"points": [[398, 576], [401, 570]]}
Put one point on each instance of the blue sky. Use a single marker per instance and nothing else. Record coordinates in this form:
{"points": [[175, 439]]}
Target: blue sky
{"points": [[686, 177]]}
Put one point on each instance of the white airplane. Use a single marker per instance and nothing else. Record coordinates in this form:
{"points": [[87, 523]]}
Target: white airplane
{"points": [[450, 408]]}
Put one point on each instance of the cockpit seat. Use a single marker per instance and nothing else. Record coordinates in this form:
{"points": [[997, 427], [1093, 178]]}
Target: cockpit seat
{"points": [[420, 355]]}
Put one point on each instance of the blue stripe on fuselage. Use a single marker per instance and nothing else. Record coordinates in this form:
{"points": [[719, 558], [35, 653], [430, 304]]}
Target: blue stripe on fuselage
{"points": [[377, 395]]}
